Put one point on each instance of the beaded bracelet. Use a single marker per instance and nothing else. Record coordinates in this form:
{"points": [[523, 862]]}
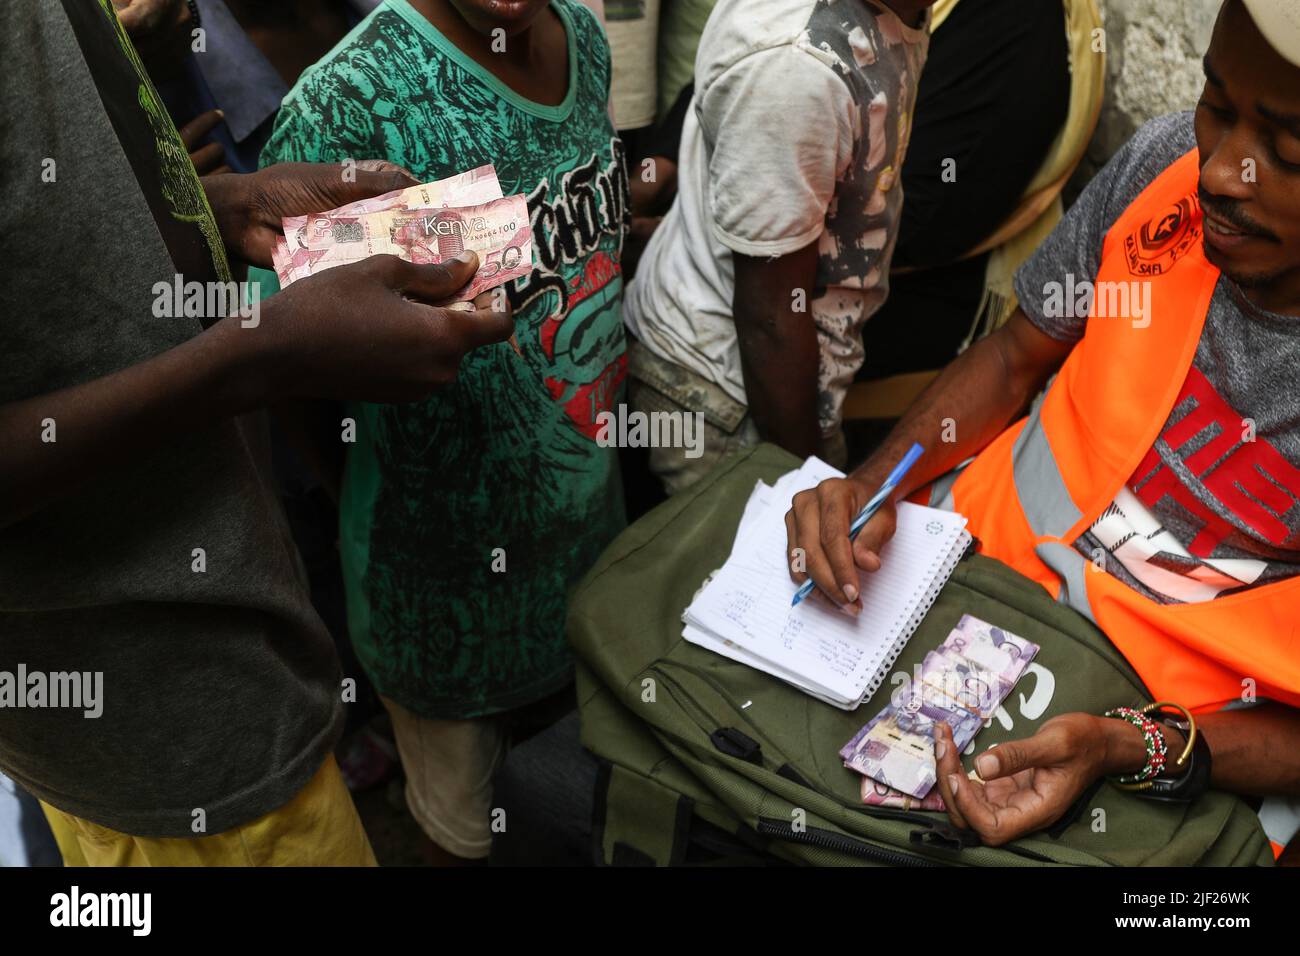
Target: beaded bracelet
{"points": [[194, 15], [1157, 748]]}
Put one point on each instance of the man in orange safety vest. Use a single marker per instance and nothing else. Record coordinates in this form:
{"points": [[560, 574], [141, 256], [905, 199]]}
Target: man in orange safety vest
{"points": [[1155, 484]]}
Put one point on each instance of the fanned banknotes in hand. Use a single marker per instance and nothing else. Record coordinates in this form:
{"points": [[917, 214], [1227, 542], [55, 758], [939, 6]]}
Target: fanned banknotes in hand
{"points": [[425, 224], [961, 683]]}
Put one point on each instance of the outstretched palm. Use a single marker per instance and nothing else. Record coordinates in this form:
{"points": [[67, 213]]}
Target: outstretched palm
{"points": [[1059, 762]]}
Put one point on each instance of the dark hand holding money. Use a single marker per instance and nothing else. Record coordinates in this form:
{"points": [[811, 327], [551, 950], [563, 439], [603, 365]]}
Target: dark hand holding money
{"points": [[249, 208], [365, 331]]}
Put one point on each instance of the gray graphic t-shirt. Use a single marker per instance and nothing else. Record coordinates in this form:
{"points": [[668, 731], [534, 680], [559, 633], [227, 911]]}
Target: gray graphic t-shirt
{"points": [[218, 685], [1214, 507], [800, 121]]}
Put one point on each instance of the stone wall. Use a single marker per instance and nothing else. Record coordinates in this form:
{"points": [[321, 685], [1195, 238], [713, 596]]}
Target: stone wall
{"points": [[1153, 50]]}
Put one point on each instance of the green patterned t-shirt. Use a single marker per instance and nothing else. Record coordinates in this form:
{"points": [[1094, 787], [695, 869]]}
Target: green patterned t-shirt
{"points": [[466, 518]]}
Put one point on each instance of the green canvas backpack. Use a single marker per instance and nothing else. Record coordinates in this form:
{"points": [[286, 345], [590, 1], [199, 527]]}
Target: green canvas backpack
{"points": [[693, 744]]}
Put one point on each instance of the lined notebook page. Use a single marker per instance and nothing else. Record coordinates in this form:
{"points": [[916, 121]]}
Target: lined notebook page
{"points": [[748, 603], [740, 655]]}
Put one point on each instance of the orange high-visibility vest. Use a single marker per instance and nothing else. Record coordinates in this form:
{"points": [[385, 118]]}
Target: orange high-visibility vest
{"points": [[1042, 483]]}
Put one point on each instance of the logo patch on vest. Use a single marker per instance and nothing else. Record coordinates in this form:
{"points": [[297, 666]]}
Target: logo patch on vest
{"points": [[1154, 247]]}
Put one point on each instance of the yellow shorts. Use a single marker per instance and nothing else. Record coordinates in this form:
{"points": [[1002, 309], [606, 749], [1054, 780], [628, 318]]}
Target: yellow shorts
{"points": [[318, 827]]}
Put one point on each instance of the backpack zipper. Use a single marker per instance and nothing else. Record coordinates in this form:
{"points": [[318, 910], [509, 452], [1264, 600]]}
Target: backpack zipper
{"points": [[827, 840], [836, 842]]}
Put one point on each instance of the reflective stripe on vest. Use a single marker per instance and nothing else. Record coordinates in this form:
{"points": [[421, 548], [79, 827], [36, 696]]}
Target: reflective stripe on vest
{"points": [[1041, 484], [1280, 819]]}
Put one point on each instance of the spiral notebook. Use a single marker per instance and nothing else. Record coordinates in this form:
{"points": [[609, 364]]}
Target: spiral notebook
{"points": [[743, 610]]}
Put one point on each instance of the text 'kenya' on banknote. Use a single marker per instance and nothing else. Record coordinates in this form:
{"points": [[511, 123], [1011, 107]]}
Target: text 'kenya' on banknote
{"points": [[498, 231], [428, 223]]}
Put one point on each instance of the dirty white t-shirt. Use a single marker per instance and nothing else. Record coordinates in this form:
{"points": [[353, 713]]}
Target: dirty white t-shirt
{"points": [[799, 124]]}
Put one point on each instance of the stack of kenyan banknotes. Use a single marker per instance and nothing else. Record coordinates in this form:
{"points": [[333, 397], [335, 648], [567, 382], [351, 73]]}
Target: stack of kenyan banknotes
{"points": [[962, 683], [425, 224]]}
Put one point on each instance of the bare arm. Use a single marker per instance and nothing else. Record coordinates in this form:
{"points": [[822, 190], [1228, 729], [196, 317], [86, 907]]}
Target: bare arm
{"points": [[778, 346], [1256, 750], [353, 332], [979, 392], [1024, 785], [357, 331], [102, 423]]}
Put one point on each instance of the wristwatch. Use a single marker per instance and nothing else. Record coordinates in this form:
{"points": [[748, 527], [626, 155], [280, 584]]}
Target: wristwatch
{"points": [[1190, 784]]}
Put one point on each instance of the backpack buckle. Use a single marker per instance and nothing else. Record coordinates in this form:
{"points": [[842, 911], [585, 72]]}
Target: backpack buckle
{"points": [[945, 835], [733, 743]]}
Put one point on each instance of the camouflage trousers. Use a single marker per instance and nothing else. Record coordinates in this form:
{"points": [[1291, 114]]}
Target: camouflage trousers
{"points": [[656, 385]]}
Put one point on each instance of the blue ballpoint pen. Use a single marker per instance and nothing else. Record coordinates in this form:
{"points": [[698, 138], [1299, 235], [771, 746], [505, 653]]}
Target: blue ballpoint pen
{"points": [[870, 508]]}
